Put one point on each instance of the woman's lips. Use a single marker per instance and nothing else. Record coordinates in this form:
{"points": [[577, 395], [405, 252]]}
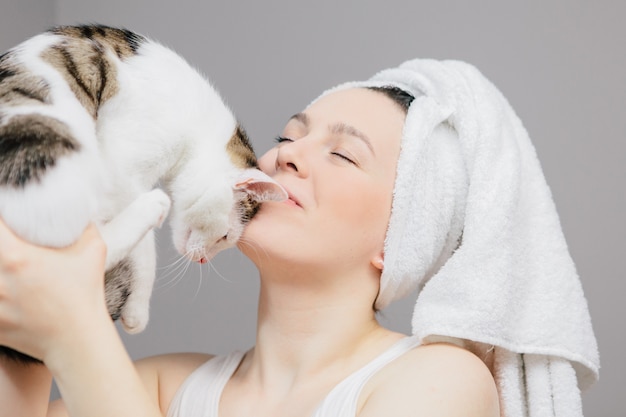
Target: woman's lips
{"points": [[292, 199]]}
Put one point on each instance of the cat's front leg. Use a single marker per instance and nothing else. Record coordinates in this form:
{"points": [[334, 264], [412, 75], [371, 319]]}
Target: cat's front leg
{"points": [[127, 229], [135, 312]]}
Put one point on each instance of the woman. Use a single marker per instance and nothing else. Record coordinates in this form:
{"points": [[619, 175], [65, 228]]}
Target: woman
{"points": [[321, 283]]}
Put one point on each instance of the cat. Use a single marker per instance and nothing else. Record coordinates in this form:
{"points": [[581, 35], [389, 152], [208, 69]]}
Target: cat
{"points": [[92, 118]]}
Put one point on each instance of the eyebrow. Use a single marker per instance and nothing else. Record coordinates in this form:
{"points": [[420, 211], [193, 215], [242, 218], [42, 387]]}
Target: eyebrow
{"points": [[339, 129]]}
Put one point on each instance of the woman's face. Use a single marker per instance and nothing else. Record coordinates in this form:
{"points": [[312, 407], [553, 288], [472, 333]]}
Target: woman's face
{"points": [[337, 160]]}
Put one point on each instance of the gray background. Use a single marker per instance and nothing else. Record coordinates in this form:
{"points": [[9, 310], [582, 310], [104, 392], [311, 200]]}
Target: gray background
{"points": [[562, 64]]}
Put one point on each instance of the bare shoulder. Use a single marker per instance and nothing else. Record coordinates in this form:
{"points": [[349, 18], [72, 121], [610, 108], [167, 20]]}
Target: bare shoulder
{"points": [[438, 380], [164, 374], [161, 375]]}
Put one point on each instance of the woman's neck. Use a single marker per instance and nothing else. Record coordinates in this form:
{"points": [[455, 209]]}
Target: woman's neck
{"points": [[307, 329]]}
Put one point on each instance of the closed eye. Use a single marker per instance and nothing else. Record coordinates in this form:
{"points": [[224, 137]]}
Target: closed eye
{"points": [[281, 139], [344, 157]]}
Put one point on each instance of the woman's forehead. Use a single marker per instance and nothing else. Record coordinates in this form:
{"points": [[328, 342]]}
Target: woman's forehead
{"points": [[367, 111]]}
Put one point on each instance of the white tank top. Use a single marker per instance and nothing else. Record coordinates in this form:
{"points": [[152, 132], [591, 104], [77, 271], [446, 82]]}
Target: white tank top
{"points": [[200, 393]]}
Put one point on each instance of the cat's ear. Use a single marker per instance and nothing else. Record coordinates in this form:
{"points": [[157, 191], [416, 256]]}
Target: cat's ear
{"points": [[260, 186]]}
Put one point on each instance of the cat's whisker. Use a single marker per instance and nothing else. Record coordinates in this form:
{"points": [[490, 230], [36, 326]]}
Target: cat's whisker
{"points": [[175, 264], [258, 249], [219, 274], [179, 268], [171, 282], [178, 261], [192, 250], [167, 270], [254, 245], [199, 285]]}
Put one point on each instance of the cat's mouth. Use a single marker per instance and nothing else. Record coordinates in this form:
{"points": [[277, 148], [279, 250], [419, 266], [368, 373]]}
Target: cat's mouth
{"points": [[198, 251]]}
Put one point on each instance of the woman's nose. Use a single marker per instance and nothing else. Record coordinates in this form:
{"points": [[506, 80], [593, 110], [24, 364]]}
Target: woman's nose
{"points": [[291, 157], [267, 162]]}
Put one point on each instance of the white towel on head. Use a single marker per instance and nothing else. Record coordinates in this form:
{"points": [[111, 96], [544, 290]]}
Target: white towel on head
{"points": [[473, 225]]}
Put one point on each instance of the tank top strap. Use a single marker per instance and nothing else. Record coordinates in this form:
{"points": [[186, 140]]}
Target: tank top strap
{"points": [[199, 395], [342, 400]]}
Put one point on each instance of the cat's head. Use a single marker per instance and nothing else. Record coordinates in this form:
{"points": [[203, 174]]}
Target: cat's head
{"points": [[209, 214]]}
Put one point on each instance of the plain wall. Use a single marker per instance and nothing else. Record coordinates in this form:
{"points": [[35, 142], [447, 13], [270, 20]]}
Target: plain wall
{"points": [[20, 19], [561, 64]]}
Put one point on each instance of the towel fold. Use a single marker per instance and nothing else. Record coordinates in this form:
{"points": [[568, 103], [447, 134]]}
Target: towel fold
{"points": [[474, 227]]}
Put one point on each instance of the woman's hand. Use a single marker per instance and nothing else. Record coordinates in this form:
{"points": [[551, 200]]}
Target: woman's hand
{"points": [[52, 307], [48, 297]]}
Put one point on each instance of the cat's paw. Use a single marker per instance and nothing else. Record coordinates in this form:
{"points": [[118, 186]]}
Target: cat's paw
{"points": [[156, 205], [134, 320]]}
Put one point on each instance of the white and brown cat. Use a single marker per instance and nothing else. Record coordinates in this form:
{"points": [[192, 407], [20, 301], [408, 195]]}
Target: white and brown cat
{"points": [[92, 118]]}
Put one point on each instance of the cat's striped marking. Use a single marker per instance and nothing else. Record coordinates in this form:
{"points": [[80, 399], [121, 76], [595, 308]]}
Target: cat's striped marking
{"points": [[117, 287], [18, 87], [84, 56], [124, 42], [242, 155], [29, 145], [240, 149]]}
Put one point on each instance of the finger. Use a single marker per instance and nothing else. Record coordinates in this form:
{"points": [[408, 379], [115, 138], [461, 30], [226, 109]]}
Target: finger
{"points": [[4, 229], [8, 238], [90, 239], [91, 232]]}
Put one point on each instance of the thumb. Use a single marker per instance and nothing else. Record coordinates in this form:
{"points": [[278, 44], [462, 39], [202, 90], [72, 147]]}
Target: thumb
{"points": [[90, 243], [8, 239]]}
